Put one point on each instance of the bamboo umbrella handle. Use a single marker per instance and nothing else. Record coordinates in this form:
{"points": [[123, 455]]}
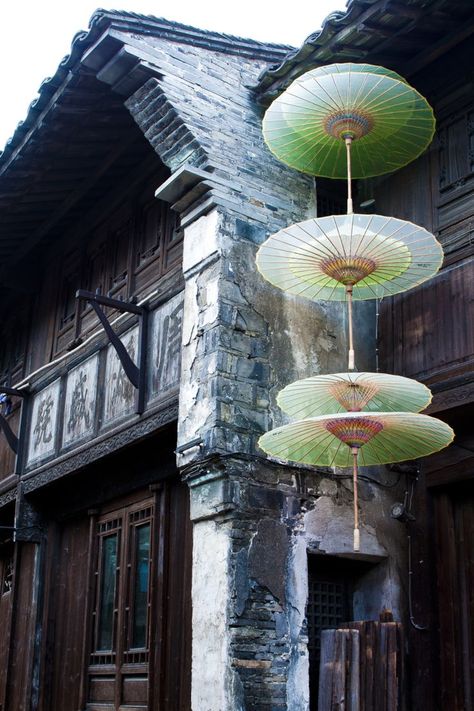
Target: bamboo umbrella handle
{"points": [[355, 452], [348, 142], [351, 364]]}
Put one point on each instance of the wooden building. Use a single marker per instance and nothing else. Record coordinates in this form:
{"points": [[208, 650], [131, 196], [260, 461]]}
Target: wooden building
{"points": [[150, 557]]}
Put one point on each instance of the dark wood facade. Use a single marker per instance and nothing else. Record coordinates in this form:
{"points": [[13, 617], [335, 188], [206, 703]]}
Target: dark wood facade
{"points": [[93, 651], [95, 584], [427, 334]]}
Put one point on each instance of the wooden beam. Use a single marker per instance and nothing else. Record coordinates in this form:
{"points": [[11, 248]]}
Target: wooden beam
{"points": [[39, 120], [72, 200], [443, 45]]}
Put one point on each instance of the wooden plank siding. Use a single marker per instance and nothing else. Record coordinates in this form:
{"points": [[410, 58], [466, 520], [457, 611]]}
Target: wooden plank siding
{"points": [[67, 580], [427, 333], [362, 667], [23, 620], [454, 525]]}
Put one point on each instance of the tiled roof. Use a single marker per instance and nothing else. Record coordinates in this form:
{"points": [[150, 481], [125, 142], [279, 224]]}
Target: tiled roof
{"points": [[103, 20], [400, 34]]}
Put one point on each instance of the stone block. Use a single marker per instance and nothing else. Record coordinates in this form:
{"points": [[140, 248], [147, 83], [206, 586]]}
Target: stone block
{"points": [[268, 557], [201, 240]]}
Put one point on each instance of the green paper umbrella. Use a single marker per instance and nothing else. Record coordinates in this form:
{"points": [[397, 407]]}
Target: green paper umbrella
{"points": [[353, 392], [350, 438], [376, 255], [349, 256], [384, 122]]}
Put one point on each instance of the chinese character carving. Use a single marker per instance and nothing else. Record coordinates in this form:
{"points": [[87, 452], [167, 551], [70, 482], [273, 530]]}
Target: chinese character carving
{"points": [[43, 432], [79, 413], [168, 351]]}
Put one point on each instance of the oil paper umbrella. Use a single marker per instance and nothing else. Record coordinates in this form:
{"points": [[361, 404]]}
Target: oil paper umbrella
{"points": [[348, 120], [349, 439], [353, 392], [342, 257]]}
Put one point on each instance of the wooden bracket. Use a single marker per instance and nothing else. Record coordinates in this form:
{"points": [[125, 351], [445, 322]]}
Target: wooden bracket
{"points": [[135, 373]]}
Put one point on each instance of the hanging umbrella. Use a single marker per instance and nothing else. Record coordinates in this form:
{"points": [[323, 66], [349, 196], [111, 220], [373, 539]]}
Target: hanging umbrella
{"points": [[345, 67], [341, 392], [349, 256], [349, 438], [330, 112]]}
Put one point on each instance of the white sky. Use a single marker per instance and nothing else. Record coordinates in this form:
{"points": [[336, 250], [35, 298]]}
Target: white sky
{"points": [[36, 34]]}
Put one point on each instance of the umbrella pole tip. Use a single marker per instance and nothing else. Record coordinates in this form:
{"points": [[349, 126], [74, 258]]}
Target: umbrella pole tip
{"points": [[351, 364], [356, 539]]}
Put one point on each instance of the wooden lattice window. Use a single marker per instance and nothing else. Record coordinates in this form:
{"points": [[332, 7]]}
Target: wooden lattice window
{"points": [[122, 582], [120, 644]]}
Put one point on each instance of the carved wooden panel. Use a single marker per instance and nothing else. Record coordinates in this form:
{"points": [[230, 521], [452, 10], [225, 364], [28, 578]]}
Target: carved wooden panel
{"points": [[67, 307], [164, 367], [119, 396], [80, 401], [43, 427]]}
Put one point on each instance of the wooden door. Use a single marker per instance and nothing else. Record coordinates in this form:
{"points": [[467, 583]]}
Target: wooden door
{"points": [[454, 519], [119, 607], [119, 660]]}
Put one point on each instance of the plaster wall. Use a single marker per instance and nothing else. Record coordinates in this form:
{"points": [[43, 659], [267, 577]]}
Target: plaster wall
{"points": [[210, 582]]}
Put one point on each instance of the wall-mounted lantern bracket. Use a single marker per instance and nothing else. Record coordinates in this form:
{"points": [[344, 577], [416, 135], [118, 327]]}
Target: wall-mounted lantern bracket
{"points": [[13, 440], [135, 373]]}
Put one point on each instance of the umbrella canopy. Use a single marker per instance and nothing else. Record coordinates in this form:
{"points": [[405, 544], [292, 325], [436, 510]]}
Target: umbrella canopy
{"points": [[379, 438], [378, 256], [341, 392], [344, 67], [353, 438], [388, 122]]}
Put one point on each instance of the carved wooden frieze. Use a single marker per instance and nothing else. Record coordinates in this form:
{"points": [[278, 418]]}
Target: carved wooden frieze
{"points": [[80, 401], [119, 399], [43, 428], [164, 364], [96, 396]]}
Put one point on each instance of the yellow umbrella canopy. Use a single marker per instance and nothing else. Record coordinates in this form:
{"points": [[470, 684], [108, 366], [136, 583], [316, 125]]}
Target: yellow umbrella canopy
{"points": [[349, 438], [384, 120], [353, 392]]}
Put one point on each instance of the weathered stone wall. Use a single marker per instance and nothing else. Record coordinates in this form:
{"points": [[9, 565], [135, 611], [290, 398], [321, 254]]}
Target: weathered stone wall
{"points": [[261, 520], [243, 340]]}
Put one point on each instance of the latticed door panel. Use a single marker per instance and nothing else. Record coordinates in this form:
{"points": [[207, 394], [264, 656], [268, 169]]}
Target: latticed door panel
{"points": [[119, 658]]}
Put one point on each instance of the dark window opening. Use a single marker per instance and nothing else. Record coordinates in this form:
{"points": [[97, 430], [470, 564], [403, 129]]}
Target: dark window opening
{"points": [[331, 197], [331, 583]]}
